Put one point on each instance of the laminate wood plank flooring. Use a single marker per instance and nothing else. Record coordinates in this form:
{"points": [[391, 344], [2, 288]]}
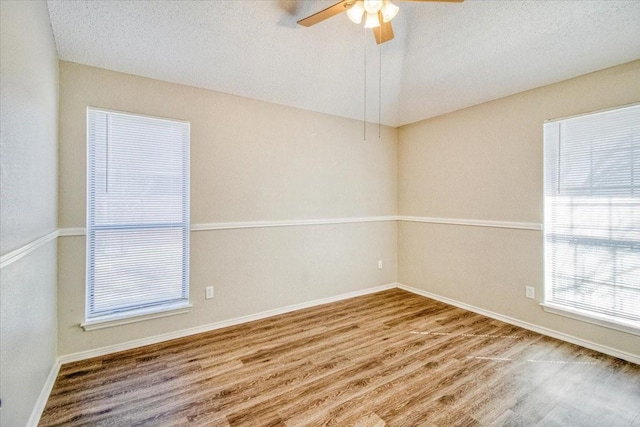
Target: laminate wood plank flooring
{"points": [[387, 359]]}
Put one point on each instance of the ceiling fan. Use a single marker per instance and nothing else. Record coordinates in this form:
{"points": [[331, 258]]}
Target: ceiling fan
{"points": [[377, 13]]}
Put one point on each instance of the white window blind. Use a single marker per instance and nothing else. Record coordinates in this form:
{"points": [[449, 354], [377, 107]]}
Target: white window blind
{"points": [[137, 214], [592, 215]]}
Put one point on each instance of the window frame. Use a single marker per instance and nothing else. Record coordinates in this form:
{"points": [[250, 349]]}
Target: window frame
{"points": [[155, 310], [547, 304]]}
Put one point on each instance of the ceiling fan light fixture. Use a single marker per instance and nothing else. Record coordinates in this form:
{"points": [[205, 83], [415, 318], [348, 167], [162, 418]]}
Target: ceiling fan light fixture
{"points": [[372, 20], [373, 6], [389, 11], [356, 12], [375, 13]]}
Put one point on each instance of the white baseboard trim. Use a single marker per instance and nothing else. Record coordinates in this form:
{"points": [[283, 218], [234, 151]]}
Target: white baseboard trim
{"points": [[74, 357], [526, 325], [36, 413], [83, 355]]}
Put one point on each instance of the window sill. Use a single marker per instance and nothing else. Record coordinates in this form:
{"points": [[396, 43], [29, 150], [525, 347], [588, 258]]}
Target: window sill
{"points": [[600, 320], [134, 317]]}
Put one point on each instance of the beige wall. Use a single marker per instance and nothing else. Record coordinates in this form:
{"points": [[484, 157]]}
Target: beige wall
{"points": [[28, 184], [254, 161], [250, 161], [486, 163]]}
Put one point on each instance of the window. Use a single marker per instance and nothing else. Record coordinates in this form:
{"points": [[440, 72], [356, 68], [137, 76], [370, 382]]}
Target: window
{"points": [[137, 215], [592, 217]]}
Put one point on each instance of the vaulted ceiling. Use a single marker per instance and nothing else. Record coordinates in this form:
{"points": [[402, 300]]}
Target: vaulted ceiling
{"points": [[445, 56]]}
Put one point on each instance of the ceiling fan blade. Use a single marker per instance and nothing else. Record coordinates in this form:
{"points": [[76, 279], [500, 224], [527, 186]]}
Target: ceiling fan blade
{"points": [[440, 1], [384, 33], [326, 13]]}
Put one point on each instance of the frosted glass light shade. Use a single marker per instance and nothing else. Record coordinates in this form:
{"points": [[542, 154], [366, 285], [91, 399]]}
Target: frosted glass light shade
{"points": [[372, 20], [389, 11], [355, 12], [373, 6]]}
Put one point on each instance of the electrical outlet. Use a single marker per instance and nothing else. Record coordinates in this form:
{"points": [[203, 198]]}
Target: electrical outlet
{"points": [[530, 291], [209, 292], [379, 264]]}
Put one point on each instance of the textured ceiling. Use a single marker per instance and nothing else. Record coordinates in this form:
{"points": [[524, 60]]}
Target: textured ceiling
{"points": [[445, 56]]}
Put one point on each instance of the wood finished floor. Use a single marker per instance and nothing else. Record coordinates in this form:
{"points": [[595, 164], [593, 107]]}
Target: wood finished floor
{"points": [[391, 358]]}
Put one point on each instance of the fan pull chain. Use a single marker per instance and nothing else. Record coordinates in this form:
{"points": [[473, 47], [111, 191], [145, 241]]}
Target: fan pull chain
{"points": [[106, 156], [380, 85], [364, 108]]}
